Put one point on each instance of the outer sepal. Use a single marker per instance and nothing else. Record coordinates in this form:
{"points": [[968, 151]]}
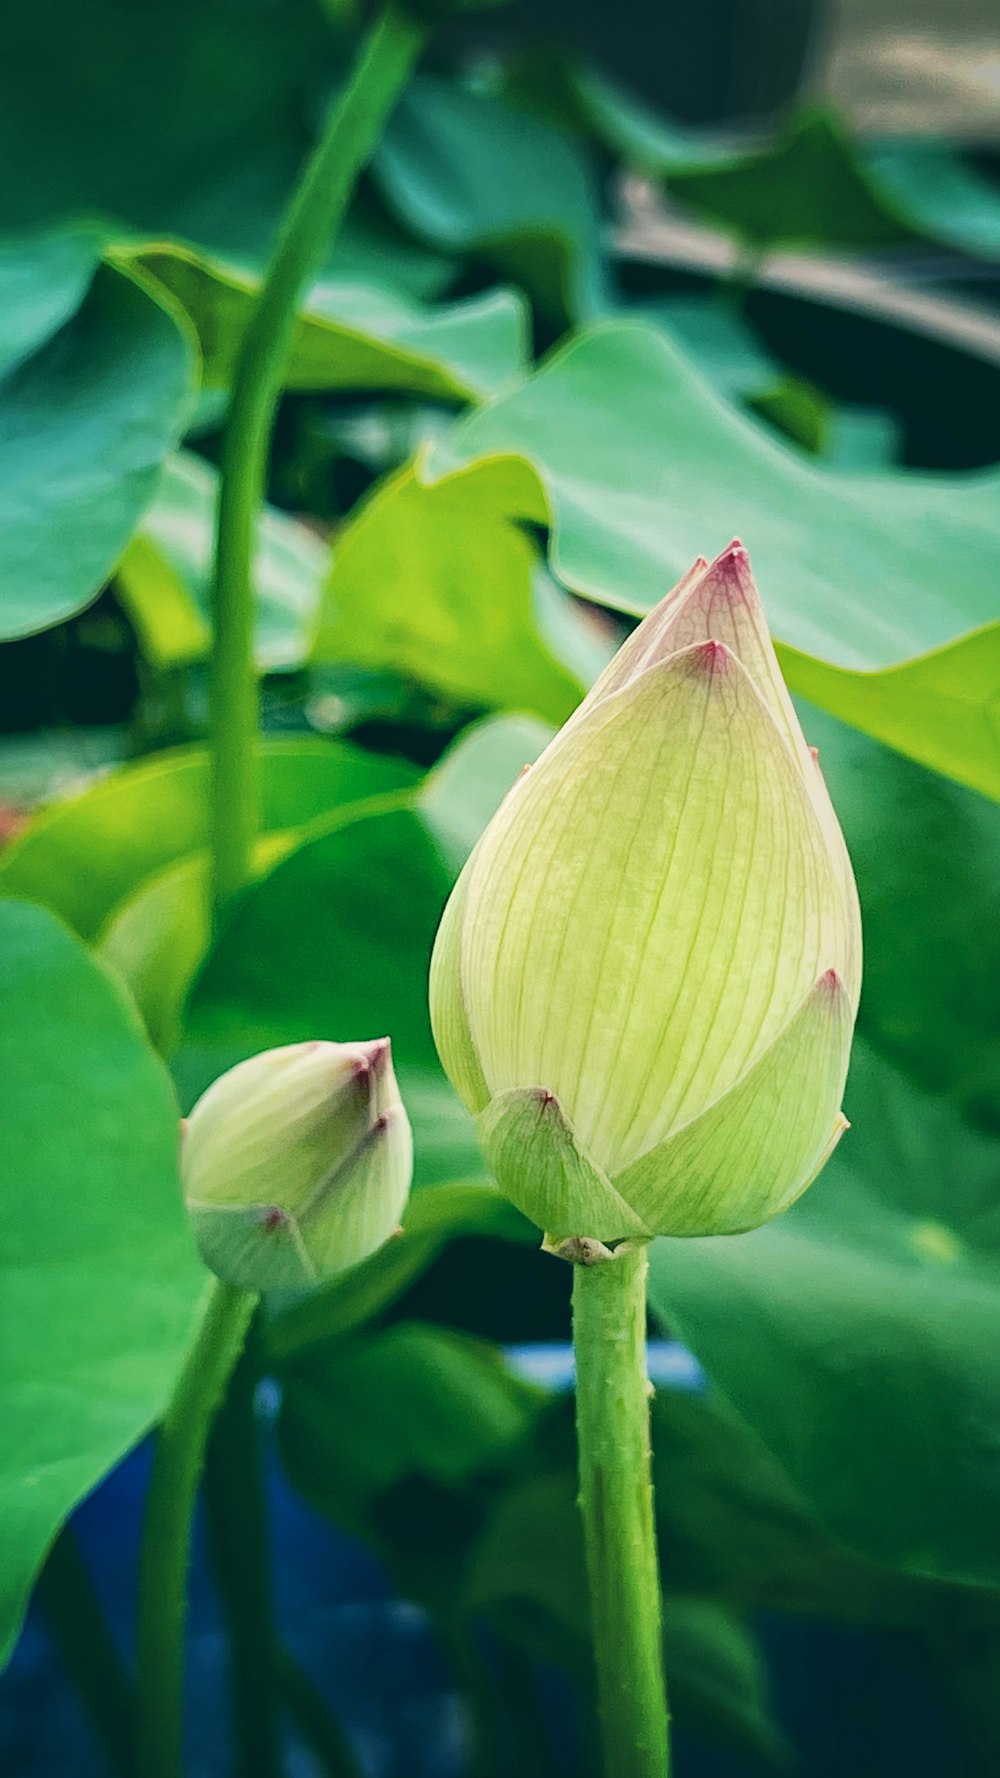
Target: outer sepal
{"points": [[544, 1170]]}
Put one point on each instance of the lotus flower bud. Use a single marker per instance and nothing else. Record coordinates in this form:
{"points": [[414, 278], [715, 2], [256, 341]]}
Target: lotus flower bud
{"points": [[296, 1163], [645, 981]]}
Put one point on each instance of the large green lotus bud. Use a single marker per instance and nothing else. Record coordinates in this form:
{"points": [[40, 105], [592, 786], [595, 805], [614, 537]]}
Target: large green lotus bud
{"points": [[645, 982], [296, 1163]]}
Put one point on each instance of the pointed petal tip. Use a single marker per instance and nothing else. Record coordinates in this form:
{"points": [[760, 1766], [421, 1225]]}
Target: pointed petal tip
{"points": [[274, 1219], [711, 659], [378, 1054], [730, 574], [546, 1101], [831, 991]]}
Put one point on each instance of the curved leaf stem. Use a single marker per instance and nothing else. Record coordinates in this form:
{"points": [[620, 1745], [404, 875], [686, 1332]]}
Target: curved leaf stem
{"points": [[308, 228]]}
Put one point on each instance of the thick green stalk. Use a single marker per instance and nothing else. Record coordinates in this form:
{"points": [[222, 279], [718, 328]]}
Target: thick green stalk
{"points": [[616, 1500], [173, 1488], [307, 232]]}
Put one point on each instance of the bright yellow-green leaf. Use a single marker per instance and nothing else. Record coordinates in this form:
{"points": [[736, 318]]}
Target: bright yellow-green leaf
{"points": [[353, 335], [882, 587], [164, 576], [441, 585]]}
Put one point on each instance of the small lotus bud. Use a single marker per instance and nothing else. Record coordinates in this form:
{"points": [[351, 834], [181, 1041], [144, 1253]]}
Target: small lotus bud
{"points": [[296, 1163], [645, 982]]}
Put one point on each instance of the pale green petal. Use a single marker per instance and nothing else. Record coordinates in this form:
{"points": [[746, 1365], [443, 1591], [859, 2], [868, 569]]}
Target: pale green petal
{"points": [[724, 603], [720, 602], [360, 1207], [449, 1018], [650, 642], [274, 1122], [649, 907], [542, 1168], [753, 1152]]}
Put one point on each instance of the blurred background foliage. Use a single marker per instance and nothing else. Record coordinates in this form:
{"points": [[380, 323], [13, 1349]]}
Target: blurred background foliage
{"points": [[619, 283]]}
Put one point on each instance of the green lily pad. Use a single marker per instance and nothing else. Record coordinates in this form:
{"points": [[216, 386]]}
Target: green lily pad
{"points": [[151, 135], [472, 174], [43, 280], [940, 192], [873, 583], [810, 188], [813, 186], [438, 584], [84, 854], [352, 335], [100, 1280], [90, 415], [164, 577]]}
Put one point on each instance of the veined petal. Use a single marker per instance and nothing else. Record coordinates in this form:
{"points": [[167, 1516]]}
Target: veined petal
{"points": [[723, 602], [650, 642], [540, 1165], [753, 1152], [449, 1014], [371, 1193], [649, 907]]}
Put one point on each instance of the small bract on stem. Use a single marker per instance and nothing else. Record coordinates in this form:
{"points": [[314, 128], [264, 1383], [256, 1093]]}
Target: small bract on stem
{"points": [[644, 989]]}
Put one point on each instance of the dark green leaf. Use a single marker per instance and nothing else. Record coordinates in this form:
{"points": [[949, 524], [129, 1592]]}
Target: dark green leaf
{"points": [[932, 185], [353, 335], [89, 417], [100, 1279], [154, 134], [809, 189], [472, 174]]}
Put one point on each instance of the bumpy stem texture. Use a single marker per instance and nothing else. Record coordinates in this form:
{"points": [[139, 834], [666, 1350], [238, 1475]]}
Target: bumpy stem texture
{"points": [[308, 229], [177, 1467], [616, 1500]]}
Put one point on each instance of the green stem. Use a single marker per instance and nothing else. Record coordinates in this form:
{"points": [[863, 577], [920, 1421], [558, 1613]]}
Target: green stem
{"points": [[173, 1488], [310, 223], [316, 1721], [236, 1509], [616, 1500], [79, 1628]]}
